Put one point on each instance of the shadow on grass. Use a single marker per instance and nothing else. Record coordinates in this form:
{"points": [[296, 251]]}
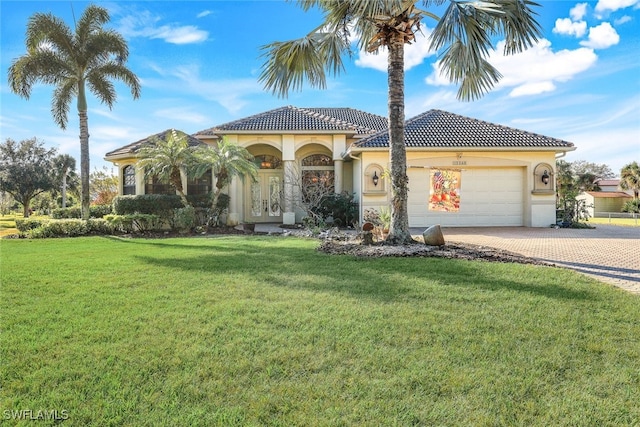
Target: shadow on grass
{"points": [[283, 262]]}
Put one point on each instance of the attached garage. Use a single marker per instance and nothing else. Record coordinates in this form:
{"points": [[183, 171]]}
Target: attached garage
{"points": [[465, 172], [480, 203]]}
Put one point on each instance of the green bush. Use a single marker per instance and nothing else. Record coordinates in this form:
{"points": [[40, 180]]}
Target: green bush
{"points": [[134, 223], [96, 211], [632, 206], [184, 218], [153, 204], [25, 224], [100, 227], [341, 207], [60, 228]]}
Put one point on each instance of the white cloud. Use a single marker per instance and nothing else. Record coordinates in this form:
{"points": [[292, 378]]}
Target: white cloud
{"points": [[414, 54], [578, 12], [144, 24], [568, 27], [601, 37], [604, 6], [534, 71], [204, 13], [622, 20]]}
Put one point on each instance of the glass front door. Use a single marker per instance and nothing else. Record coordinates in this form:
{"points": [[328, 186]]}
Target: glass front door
{"points": [[264, 202]]}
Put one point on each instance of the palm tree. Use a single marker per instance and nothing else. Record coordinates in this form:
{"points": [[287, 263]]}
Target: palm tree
{"points": [[91, 56], [227, 160], [630, 178], [166, 155], [65, 168], [465, 32]]}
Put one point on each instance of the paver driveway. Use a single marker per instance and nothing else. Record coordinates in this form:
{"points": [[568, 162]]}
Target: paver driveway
{"points": [[608, 253]]}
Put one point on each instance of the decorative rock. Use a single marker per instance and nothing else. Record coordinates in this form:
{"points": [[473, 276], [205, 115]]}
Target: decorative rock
{"points": [[433, 236]]}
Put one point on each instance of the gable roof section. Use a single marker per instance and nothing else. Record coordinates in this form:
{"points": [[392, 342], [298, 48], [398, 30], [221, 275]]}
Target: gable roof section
{"points": [[295, 119], [132, 148], [440, 129]]}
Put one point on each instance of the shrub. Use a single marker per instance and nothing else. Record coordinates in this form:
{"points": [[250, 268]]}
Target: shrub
{"points": [[62, 213], [95, 211], [632, 206], [134, 223], [341, 207], [60, 228], [184, 218], [100, 227], [25, 224], [153, 204]]}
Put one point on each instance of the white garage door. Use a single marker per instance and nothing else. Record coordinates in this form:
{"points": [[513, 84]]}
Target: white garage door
{"points": [[488, 197]]}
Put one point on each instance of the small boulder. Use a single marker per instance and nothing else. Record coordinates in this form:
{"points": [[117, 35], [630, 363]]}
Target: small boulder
{"points": [[433, 236]]}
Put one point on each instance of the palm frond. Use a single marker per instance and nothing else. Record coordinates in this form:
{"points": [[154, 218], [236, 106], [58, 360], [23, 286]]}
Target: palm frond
{"points": [[61, 101]]}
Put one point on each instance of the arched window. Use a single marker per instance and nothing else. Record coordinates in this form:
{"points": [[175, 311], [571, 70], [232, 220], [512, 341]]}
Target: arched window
{"points": [[129, 180], [318, 177]]}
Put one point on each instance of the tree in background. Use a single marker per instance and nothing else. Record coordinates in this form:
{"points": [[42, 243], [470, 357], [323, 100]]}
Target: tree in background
{"points": [[600, 171], [465, 34], [26, 170], [65, 170], [630, 180], [104, 187], [92, 56]]}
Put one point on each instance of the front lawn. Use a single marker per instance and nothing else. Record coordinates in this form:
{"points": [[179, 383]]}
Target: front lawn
{"points": [[267, 331]]}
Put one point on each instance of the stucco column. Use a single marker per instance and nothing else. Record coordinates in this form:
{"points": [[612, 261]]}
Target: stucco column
{"points": [[337, 175], [339, 147], [233, 218], [139, 181], [290, 175]]}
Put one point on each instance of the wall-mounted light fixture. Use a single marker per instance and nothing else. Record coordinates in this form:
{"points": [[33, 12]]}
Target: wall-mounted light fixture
{"points": [[545, 177], [376, 178]]}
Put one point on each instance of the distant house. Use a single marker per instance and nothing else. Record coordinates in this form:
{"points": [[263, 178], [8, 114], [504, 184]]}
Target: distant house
{"points": [[609, 185], [462, 171], [600, 202]]}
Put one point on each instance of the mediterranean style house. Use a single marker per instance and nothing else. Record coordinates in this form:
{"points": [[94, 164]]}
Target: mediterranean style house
{"points": [[462, 171]]}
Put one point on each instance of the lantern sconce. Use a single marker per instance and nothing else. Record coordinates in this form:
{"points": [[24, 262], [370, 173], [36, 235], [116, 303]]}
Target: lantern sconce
{"points": [[545, 177], [375, 178]]}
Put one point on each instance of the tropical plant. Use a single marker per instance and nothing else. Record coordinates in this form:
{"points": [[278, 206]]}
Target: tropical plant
{"points": [[92, 56], [227, 160], [65, 169], [630, 178], [103, 187], [166, 155], [26, 170], [465, 33]]}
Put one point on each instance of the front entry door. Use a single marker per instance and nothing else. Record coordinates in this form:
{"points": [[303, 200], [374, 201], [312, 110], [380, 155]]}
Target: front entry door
{"points": [[264, 202]]}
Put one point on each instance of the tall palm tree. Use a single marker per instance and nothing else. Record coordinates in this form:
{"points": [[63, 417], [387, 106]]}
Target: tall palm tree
{"points": [[227, 160], [91, 56], [166, 155], [465, 32], [65, 169], [630, 178]]}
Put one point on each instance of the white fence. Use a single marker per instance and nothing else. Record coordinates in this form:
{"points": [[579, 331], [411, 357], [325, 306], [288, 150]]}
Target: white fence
{"points": [[634, 216]]}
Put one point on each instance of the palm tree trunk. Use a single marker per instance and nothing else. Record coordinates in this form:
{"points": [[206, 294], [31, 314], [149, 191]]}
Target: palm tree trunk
{"points": [[399, 230], [64, 188], [84, 150]]}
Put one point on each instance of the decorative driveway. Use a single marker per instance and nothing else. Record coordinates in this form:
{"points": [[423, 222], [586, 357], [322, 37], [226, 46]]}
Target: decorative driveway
{"points": [[608, 253]]}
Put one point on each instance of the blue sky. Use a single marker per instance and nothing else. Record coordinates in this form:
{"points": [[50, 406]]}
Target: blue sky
{"points": [[199, 61]]}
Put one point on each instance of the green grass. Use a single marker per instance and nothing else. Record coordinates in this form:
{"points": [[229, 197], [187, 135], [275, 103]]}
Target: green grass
{"points": [[267, 331], [629, 222]]}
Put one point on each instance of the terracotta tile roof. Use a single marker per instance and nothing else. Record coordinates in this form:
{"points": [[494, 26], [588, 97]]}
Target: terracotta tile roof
{"points": [[608, 182], [440, 129], [135, 146], [295, 119]]}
